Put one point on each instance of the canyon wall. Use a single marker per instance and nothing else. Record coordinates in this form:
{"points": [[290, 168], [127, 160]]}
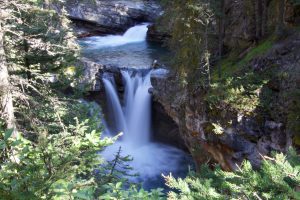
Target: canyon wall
{"points": [[216, 133]]}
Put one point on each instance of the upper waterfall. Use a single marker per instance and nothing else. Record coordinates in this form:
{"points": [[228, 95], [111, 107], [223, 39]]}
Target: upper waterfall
{"points": [[135, 34], [130, 50]]}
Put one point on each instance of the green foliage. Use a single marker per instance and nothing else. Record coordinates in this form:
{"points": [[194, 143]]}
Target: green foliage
{"points": [[116, 192], [58, 166], [278, 178], [40, 40], [240, 87], [116, 170], [242, 93], [232, 66]]}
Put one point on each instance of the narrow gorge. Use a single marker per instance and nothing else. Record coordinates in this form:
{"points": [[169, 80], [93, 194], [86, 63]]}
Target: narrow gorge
{"points": [[245, 138], [149, 99]]}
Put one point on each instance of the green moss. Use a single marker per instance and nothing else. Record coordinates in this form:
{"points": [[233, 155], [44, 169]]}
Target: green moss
{"points": [[239, 87], [231, 65], [258, 50], [228, 67]]}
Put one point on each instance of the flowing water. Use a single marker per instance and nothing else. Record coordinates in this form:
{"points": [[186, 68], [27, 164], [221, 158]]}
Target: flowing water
{"points": [[129, 50], [131, 114], [133, 35]]}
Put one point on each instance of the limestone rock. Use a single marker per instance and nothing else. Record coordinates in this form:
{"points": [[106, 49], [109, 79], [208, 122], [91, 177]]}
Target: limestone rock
{"points": [[90, 77], [109, 17]]}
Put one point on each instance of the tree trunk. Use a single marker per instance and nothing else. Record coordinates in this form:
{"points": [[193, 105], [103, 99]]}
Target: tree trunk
{"points": [[207, 55], [258, 19], [264, 25], [26, 61], [280, 20], [221, 33], [6, 101]]}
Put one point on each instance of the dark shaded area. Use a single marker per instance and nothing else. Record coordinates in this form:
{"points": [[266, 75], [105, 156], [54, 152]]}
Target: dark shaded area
{"points": [[165, 130]]}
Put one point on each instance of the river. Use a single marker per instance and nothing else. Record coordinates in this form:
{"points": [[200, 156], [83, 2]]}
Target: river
{"points": [[131, 114]]}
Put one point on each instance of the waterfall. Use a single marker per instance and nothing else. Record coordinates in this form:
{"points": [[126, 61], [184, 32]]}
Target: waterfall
{"points": [[138, 108], [115, 105], [135, 117], [130, 113], [130, 50], [132, 116], [135, 34]]}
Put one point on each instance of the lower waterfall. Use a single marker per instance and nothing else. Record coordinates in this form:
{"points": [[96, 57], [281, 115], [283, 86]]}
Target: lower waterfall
{"points": [[132, 117]]}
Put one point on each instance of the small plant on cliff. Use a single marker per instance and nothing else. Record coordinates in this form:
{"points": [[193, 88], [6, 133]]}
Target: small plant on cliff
{"points": [[278, 178]]}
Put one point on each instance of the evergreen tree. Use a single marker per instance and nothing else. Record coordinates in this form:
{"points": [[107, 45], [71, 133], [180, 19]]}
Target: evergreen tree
{"points": [[278, 178], [191, 27]]}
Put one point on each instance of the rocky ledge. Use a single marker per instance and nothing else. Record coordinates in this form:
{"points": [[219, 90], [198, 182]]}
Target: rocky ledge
{"points": [[165, 130], [109, 17]]}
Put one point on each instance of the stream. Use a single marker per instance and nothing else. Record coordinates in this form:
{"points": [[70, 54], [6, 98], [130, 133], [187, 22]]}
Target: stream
{"points": [[131, 113]]}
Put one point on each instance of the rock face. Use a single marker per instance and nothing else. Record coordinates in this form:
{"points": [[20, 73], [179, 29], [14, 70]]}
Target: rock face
{"points": [[90, 75], [165, 130], [93, 73], [240, 22], [109, 17], [239, 137], [220, 135]]}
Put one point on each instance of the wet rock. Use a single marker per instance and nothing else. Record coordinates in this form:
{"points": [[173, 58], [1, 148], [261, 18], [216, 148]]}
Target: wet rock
{"points": [[157, 35]]}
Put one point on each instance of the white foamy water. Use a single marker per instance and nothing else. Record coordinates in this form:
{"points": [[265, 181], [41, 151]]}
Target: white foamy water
{"points": [[150, 159], [133, 35]]}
